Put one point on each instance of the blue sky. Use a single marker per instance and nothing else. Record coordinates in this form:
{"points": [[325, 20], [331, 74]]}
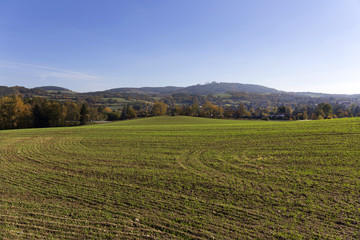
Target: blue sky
{"points": [[85, 45]]}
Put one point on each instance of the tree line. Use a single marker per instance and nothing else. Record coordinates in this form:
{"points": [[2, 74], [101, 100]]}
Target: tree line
{"points": [[282, 112], [241, 111], [18, 112]]}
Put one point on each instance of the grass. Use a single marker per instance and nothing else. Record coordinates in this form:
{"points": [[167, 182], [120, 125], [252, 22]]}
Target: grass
{"points": [[182, 178], [222, 95], [119, 100]]}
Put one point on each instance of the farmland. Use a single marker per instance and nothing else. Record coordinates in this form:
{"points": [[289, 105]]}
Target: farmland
{"points": [[182, 178]]}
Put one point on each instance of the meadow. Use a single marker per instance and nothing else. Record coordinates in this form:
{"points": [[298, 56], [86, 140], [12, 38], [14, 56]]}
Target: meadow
{"points": [[182, 178]]}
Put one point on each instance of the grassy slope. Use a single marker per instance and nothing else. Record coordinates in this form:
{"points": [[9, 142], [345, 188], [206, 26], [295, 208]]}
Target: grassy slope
{"points": [[178, 177]]}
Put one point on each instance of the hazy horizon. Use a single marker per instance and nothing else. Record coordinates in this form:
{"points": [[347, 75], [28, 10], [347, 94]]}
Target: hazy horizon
{"points": [[297, 46]]}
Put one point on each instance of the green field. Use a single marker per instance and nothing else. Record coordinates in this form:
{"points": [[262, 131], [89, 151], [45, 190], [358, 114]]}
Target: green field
{"points": [[182, 178]]}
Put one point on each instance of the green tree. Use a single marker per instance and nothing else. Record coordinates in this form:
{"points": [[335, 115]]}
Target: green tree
{"points": [[195, 109], [319, 114], [84, 114], [326, 109], [286, 110], [128, 112], [113, 116], [40, 119], [131, 113], [55, 114]]}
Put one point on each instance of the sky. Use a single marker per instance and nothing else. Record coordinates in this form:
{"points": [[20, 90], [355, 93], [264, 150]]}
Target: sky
{"points": [[88, 45]]}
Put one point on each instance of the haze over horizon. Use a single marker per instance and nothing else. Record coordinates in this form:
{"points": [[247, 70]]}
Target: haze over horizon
{"points": [[299, 46]]}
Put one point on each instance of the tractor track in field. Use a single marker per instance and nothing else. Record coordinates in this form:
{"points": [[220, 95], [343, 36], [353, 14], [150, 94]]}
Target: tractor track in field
{"points": [[51, 147], [164, 182]]}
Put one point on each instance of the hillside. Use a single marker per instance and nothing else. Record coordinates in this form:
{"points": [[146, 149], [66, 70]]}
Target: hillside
{"points": [[218, 88], [201, 89], [52, 88], [5, 91], [182, 178], [147, 90]]}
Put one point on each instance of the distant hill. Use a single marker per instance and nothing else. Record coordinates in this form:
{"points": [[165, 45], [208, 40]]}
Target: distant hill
{"points": [[44, 91], [16, 90], [147, 90], [52, 88], [324, 95], [201, 89], [5, 91], [222, 87]]}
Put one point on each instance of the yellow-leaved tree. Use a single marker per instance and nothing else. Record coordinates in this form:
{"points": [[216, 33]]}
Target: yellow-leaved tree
{"points": [[159, 109], [14, 113]]}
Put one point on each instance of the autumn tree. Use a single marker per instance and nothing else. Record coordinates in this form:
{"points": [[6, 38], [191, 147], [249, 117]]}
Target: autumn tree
{"points": [[72, 113], [210, 110], [128, 112], [96, 113], [242, 111], [107, 110], [305, 115], [14, 113], [159, 109], [23, 113]]}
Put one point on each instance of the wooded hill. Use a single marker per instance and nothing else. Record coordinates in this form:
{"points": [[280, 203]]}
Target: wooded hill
{"points": [[213, 100], [222, 94]]}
